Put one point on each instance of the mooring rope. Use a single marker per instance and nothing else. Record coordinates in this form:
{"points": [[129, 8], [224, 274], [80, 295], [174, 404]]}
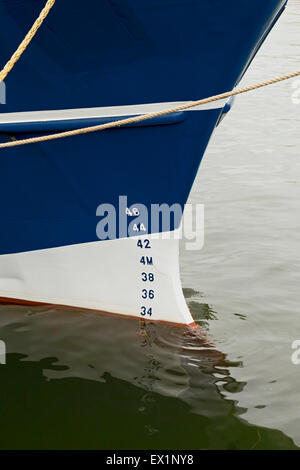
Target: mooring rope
{"points": [[144, 117], [26, 41], [121, 122]]}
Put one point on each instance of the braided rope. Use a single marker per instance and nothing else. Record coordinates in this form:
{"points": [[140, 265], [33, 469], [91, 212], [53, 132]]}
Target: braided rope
{"points": [[122, 122], [26, 41], [144, 117]]}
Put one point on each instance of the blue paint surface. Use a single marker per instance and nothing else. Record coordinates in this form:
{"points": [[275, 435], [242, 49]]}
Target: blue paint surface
{"points": [[112, 53]]}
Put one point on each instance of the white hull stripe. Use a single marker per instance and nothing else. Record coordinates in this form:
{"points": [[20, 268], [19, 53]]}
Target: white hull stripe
{"points": [[102, 112], [115, 276]]}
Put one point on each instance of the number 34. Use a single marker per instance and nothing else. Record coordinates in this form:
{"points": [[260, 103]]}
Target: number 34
{"points": [[145, 312]]}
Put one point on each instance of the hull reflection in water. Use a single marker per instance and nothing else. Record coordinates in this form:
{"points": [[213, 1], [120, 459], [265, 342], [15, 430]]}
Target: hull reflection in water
{"points": [[80, 380]]}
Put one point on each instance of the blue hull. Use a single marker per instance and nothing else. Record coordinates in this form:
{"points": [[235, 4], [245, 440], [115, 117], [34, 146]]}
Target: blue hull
{"points": [[113, 53]]}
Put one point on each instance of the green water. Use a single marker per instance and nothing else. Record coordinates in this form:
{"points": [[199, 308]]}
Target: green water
{"points": [[89, 381], [82, 380]]}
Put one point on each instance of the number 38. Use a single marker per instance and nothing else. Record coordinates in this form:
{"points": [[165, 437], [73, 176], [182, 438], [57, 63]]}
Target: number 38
{"points": [[147, 277]]}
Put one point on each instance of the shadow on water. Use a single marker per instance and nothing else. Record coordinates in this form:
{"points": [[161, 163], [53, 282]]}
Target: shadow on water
{"points": [[82, 380]]}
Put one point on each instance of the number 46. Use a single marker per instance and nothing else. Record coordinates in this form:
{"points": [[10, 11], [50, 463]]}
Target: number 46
{"points": [[133, 211]]}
